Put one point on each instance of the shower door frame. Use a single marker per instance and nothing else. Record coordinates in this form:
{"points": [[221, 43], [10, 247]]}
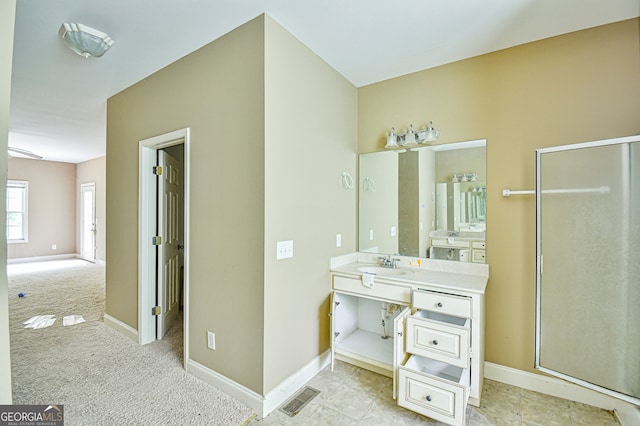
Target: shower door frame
{"points": [[540, 263]]}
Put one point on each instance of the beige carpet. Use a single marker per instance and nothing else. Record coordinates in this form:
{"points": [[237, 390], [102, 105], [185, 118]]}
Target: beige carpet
{"points": [[100, 376]]}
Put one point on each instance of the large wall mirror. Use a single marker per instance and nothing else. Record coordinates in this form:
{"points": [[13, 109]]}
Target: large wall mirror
{"points": [[424, 201]]}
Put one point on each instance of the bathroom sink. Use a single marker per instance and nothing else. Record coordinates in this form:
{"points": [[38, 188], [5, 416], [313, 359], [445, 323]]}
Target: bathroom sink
{"points": [[379, 270]]}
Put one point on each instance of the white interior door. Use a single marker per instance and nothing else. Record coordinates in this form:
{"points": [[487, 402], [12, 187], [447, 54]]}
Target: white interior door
{"points": [[88, 221], [169, 192]]}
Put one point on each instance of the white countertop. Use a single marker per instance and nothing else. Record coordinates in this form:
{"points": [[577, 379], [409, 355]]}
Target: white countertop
{"points": [[463, 276]]}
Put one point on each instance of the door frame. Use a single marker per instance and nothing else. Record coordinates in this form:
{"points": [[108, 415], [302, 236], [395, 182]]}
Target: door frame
{"points": [[88, 186], [147, 225]]}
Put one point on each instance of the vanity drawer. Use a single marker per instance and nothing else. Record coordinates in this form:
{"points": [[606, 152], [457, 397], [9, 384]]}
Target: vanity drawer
{"points": [[478, 256], [444, 242], [434, 389], [447, 304], [481, 245], [379, 290], [441, 337]]}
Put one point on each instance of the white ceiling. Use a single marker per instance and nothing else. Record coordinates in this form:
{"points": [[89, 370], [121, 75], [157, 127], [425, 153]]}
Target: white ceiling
{"points": [[58, 99]]}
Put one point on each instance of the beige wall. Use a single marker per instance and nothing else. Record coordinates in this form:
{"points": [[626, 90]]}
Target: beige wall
{"points": [[52, 207], [269, 140], [310, 139], [461, 161], [87, 172], [577, 87], [219, 94], [7, 23]]}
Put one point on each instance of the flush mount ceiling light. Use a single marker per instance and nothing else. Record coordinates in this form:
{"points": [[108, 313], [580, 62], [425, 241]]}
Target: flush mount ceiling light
{"points": [[23, 152], [85, 41]]}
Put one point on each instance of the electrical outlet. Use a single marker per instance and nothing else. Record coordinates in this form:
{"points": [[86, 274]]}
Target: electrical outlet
{"points": [[54, 247], [211, 340]]}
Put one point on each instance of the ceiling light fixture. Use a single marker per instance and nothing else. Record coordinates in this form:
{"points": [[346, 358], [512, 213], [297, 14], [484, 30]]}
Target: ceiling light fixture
{"points": [[85, 41], [24, 153]]}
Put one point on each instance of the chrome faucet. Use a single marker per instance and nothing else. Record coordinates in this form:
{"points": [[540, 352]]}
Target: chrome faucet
{"points": [[388, 262]]}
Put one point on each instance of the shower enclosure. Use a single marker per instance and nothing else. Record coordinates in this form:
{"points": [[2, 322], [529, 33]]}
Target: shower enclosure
{"points": [[588, 265]]}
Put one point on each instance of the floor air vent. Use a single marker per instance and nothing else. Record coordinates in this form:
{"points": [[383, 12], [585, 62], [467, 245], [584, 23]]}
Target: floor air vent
{"points": [[299, 400]]}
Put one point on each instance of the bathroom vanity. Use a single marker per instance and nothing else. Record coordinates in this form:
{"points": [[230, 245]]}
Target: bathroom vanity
{"points": [[421, 323], [468, 248]]}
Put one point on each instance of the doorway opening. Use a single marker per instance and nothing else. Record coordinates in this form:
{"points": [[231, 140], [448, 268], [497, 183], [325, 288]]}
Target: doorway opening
{"points": [[88, 221], [163, 235]]}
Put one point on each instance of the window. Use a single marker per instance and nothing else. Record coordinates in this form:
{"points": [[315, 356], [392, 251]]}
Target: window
{"points": [[17, 197]]}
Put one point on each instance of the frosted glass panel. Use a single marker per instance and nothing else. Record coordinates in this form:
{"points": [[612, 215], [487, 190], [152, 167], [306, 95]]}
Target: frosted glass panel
{"points": [[589, 288]]}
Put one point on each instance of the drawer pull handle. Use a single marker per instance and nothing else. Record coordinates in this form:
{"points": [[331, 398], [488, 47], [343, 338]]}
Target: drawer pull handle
{"points": [[439, 304], [400, 333], [428, 398], [435, 343]]}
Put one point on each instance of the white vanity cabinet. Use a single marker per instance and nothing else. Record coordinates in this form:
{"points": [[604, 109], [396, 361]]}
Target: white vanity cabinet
{"points": [[434, 374], [478, 251], [460, 249], [432, 341], [362, 323]]}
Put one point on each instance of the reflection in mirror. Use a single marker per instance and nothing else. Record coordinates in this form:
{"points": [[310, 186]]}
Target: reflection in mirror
{"points": [[461, 206], [427, 201]]}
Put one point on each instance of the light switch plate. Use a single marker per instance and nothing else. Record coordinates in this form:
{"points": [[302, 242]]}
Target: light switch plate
{"points": [[211, 340], [338, 240], [284, 249]]}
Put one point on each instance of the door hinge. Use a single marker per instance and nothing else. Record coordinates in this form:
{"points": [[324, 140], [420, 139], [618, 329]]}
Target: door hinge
{"points": [[157, 240], [541, 264], [157, 170], [156, 310]]}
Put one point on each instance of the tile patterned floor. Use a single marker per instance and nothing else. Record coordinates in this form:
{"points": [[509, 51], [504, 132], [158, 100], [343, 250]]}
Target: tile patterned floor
{"points": [[353, 396]]}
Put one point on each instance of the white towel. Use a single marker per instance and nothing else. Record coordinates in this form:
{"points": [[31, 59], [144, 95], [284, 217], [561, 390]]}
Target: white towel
{"points": [[367, 280], [40, 321], [72, 320]]}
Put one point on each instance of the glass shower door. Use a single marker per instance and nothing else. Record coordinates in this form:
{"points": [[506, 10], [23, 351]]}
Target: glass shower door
{"points": [[588, 275]]}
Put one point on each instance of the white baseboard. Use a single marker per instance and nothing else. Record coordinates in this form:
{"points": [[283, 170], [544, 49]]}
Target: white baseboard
{"points": [[262, 406], [627, 413], [121, 327], [51, 257], [293, 383], [226, 385], [42, 258]]}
